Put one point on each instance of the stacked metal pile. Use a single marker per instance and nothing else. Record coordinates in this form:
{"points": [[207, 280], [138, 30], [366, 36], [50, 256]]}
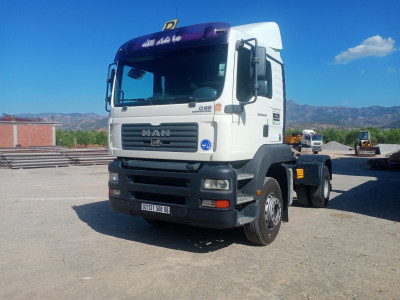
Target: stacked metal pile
{"points": [[88, 156], [52, 157]]}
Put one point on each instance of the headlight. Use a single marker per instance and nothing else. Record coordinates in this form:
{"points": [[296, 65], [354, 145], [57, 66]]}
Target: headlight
{"points": [[216, 184], [113, 177]]}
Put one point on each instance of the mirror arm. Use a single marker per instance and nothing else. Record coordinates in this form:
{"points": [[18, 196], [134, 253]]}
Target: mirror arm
{"points": [[108, 101]]}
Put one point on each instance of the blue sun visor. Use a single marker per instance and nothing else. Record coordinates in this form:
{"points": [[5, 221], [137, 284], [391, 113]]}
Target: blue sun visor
{"points": [[176, 39]]}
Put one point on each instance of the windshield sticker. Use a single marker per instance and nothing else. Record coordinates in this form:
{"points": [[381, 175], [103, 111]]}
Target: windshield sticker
{"points": [[162, 41], [205, 145]]}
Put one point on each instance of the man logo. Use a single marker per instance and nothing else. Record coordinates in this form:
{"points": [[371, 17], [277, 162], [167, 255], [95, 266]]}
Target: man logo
{"points": [[156, 132], [170, 24]]}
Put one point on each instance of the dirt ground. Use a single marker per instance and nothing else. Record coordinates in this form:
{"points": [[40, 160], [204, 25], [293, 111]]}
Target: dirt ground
{"points": [[60, 240]]}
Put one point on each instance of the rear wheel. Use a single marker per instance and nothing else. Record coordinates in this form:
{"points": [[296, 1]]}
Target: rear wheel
{"points": [[320, 194], [303, 196], [264, 229]]}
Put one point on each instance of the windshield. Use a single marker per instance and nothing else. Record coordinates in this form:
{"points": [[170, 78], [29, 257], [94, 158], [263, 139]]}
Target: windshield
{"points": [[195, 74], [316, 137], [363, 135]]}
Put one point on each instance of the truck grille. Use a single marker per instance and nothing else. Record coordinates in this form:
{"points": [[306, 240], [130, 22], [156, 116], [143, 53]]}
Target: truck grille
{"points": [[174, 137]]}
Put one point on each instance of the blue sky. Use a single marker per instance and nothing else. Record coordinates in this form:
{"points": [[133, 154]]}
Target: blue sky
{"points": [[54, 54]]}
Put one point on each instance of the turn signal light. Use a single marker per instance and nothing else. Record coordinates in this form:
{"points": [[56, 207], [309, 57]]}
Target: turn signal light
{"points": [[300, 173], [222, 203]]}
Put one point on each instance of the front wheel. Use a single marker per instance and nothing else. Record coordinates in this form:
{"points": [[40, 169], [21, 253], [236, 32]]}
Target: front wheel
{"points": [[264, 229]]}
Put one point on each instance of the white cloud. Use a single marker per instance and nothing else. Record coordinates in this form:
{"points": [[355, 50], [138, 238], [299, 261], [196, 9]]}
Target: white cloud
{"points": [[373, 46], [390, 69]]}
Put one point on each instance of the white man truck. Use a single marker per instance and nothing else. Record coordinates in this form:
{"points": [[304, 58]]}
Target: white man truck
{"points": [[311, 139], [197, 122]]}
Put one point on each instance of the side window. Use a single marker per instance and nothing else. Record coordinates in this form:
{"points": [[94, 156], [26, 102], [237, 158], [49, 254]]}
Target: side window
{"points": [[269, 79], [244, 78]]}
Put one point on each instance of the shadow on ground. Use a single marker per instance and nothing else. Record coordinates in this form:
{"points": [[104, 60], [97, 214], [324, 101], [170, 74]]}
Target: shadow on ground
{"points": [[377, 196], [100, 217]]}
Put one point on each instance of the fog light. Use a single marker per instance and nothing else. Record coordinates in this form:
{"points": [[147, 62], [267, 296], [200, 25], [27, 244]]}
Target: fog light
{"points": [[115, 192], [215, 203], [216, 184], [113, 176], [208, 203]]}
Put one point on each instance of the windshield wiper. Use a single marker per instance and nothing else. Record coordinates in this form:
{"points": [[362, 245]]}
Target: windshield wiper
{"points": [[149, 100], [186, 97]]}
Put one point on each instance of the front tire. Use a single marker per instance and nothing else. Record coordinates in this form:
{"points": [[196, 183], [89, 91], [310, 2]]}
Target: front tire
{"points": [[264, 229]]}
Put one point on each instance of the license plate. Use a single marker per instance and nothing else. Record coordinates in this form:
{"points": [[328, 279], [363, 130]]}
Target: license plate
{"points": [[162, 209]]}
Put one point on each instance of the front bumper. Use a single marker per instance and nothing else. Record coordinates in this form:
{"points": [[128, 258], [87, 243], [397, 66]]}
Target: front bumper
{"points": [[176, 185]]}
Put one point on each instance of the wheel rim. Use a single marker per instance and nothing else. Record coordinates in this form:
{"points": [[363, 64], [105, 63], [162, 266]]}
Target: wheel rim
{"points": [[273, 211], [326, 188]]}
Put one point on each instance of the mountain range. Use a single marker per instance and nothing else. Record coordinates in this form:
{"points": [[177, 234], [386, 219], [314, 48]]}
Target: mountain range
{"points": [[297, 116], [321, 117]]}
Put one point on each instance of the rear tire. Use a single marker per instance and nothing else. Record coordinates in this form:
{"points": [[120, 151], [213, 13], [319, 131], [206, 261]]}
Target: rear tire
{"points": [[264, 229], [320, 194], [303, 196]]}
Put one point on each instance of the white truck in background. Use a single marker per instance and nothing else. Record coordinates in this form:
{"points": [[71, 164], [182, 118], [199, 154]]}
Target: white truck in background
{"points": [[197, 122], [311, 139], [307, 139]]}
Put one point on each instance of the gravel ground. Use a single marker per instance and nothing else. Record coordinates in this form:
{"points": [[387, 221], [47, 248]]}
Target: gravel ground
{"points": [[60, 240]]}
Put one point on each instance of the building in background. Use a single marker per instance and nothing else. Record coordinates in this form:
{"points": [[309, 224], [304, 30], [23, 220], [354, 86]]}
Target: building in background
{"points": [[26, 132]]}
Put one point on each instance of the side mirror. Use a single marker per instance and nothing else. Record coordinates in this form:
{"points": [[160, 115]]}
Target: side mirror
{"points": [[110, 81], [260, 61]]}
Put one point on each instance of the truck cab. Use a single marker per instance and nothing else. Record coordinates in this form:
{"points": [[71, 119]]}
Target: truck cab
{"points": [[196, 121]]}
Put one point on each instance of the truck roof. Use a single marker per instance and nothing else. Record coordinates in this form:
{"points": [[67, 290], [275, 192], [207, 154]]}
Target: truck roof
{"points": [[267, 33], [180, 37]]}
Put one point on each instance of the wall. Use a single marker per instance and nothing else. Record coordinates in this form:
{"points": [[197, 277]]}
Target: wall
{"points": [[26, 135], [34, 135], [6, 136]]}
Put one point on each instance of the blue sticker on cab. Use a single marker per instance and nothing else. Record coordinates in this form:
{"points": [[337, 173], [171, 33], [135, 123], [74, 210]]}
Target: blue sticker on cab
{"points": [[205, 145]]}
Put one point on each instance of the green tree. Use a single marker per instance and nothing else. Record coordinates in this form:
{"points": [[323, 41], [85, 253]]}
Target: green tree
{"points": [[68, 138], [101, 138], [65, 138], [392, 136]]}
